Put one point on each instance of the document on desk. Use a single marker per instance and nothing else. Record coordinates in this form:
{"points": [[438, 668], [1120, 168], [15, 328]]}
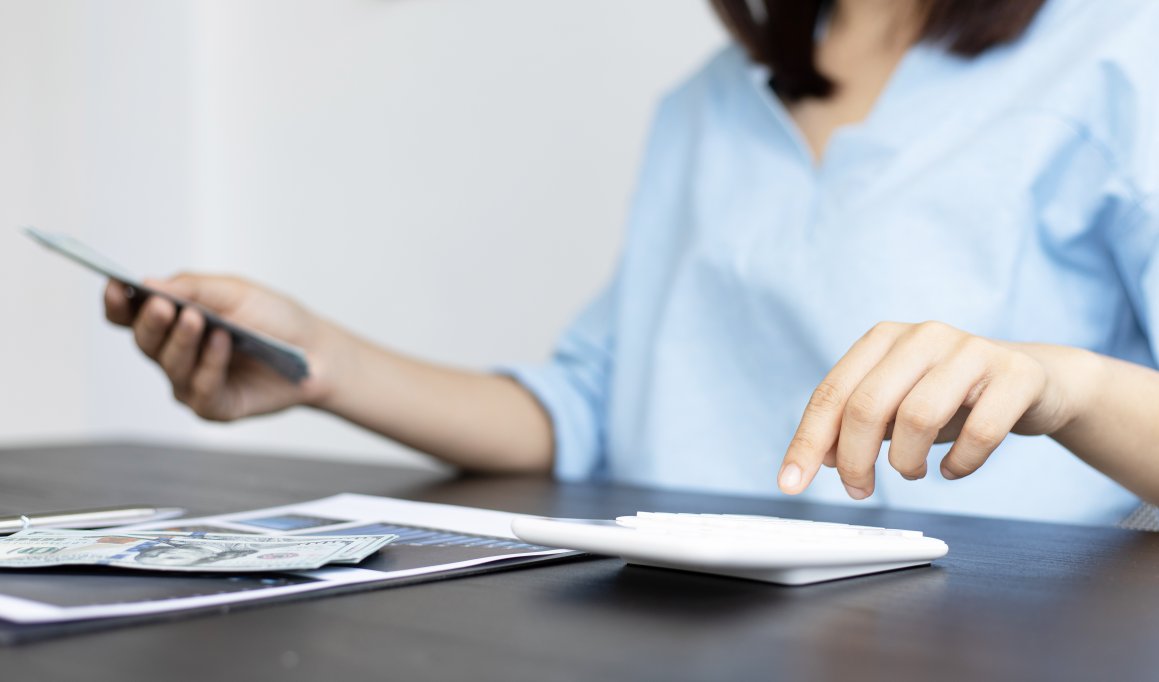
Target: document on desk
{"points": [[432, 539]]}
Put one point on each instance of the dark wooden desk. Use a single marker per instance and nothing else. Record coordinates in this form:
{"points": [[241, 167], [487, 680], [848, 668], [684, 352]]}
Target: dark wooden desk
{"points": [[1012, 601]]}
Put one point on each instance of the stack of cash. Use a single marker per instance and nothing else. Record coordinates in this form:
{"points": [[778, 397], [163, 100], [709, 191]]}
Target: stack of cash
{"points": [[157, 551]]}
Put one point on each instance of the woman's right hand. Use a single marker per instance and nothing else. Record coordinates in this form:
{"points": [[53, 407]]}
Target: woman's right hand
{"points": [[205, 373]]}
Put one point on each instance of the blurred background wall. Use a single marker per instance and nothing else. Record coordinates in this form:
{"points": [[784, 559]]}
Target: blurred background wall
{"points": [[447, 177]]}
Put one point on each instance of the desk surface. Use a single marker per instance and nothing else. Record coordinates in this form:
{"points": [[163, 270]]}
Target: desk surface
{"points": [[1012, 600]]}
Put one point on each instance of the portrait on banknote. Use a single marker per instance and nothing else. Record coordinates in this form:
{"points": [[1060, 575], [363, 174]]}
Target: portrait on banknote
{"points": [[175, 552]]}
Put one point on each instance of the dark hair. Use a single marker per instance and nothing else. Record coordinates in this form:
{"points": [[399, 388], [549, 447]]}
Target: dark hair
{"points": [[782, 38]]}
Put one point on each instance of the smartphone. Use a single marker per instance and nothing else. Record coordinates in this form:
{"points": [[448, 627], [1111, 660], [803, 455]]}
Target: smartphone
{"points": [[285, 359]]}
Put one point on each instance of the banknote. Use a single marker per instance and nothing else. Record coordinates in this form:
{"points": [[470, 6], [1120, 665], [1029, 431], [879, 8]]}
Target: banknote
{"points": [[360, 547], [213, 552]]}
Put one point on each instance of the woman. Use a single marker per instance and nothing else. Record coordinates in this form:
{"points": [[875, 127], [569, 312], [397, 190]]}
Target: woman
{"points": [[988, 164]]}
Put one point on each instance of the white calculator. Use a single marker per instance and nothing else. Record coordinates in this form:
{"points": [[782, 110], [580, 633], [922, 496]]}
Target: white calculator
{"points": [[766, 548]]}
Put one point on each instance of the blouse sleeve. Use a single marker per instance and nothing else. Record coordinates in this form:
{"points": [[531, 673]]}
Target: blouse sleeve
{"points": [[573, 389], [1127, 128], [1135, 245]]}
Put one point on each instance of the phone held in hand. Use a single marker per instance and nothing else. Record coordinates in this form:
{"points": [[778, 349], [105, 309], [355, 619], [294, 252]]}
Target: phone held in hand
{"points": [[285, 359]]}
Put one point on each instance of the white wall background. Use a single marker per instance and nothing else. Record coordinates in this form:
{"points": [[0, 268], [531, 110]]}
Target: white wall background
{"points": [[448, 177]]}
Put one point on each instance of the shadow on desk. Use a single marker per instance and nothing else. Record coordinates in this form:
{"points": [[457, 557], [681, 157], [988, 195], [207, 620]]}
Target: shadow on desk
{"points": [[679, 594]]}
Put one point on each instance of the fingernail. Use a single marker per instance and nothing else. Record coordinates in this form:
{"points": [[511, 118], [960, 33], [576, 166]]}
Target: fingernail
{"points": [[948, 475], [790, 477], [855, 493]]}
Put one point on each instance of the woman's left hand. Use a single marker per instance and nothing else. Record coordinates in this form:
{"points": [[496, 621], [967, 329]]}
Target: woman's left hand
{"points": [[918, 384]]}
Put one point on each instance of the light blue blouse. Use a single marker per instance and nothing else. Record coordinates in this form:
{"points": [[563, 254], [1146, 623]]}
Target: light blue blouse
{"points": [[1012, 196]]}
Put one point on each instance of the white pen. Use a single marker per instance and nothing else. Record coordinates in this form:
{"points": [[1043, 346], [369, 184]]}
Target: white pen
{"points": [[103, 517]]}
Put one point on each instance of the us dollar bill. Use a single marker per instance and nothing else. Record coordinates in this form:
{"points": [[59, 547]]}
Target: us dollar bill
{"points": [[200, 552], [360, 547]]}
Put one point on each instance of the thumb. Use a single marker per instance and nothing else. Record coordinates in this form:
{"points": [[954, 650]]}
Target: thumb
{"points": [[220, 294]]}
